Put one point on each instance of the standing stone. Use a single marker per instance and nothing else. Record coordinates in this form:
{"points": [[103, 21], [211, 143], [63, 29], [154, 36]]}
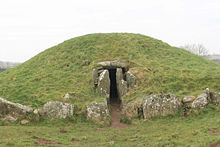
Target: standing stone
{"points": [[131, 79], [95, 77], [104, 83], [121, 83], [99, 113]]}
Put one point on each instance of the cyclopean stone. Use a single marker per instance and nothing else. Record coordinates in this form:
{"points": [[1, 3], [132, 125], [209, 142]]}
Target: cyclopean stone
{"points": [[99, 113]]}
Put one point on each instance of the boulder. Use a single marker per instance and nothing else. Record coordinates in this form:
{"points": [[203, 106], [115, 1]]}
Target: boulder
{"points": [[104, 83], [160, 105], [15, 110], [201, 101], [215, 98], [99, 113], [56, 109]]}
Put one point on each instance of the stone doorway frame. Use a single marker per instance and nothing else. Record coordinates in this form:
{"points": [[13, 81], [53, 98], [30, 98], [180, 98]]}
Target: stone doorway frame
{"points": [[124, 79]]}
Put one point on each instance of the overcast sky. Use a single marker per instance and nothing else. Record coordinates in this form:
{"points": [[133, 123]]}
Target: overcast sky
{"points": [[28, 27]]}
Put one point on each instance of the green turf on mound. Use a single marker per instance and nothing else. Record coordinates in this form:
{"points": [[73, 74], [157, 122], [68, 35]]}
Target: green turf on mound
{"points": [[159, 67]]}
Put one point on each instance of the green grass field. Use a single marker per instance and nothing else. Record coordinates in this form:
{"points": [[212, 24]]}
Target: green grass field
{"points": [[198, 130]]}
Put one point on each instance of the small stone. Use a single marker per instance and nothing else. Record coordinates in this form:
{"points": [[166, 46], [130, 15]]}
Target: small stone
{"points": [[188, 99], [24, 122], [9, 118], [69, 95], [36, 111]]}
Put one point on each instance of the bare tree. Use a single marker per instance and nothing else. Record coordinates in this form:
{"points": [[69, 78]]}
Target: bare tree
{"points": [[197, 49]]}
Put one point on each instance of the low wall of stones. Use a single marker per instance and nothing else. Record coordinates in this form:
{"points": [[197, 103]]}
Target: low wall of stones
{"points": [[147, 107]]}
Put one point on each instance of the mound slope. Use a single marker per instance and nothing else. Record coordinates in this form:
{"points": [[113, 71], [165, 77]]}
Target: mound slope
{"points": [[67, 67]]}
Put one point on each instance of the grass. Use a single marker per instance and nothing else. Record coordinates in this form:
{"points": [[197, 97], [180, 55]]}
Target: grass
{"points": [[159, 67], [197, 130]]}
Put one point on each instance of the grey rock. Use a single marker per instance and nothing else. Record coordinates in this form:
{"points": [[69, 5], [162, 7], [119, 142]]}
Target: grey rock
{"points": [[9, 118], [121, 83], [56, 109], [114, 64], [14, 109], [132, 108], [160, 105], [201, 101], [99, 113], [95, 77], [104, 83], [131, 79], [188, 99], [215, 98]]}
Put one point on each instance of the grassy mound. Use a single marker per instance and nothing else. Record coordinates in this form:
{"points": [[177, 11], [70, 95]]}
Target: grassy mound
{"points": [[67, 67]]}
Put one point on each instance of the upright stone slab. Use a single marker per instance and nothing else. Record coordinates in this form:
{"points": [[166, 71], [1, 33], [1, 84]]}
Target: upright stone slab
{"points": [[95, 77], [131, 79], [121, 83], [104, 83]]}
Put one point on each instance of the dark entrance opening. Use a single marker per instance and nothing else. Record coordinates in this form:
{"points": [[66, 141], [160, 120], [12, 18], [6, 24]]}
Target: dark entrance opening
{"points": [[114, 98]]}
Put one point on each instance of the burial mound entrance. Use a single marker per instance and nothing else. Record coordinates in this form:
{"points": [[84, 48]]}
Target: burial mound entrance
{"points": [[113, 96], [113, 80]]}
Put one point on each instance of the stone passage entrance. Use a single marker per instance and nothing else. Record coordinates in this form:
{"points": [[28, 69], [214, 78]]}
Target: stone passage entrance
{"points": [[113, 80], [113, 97]]}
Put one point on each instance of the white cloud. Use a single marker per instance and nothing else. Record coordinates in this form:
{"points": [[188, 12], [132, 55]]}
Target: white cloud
{"points": [[28, 27]]}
